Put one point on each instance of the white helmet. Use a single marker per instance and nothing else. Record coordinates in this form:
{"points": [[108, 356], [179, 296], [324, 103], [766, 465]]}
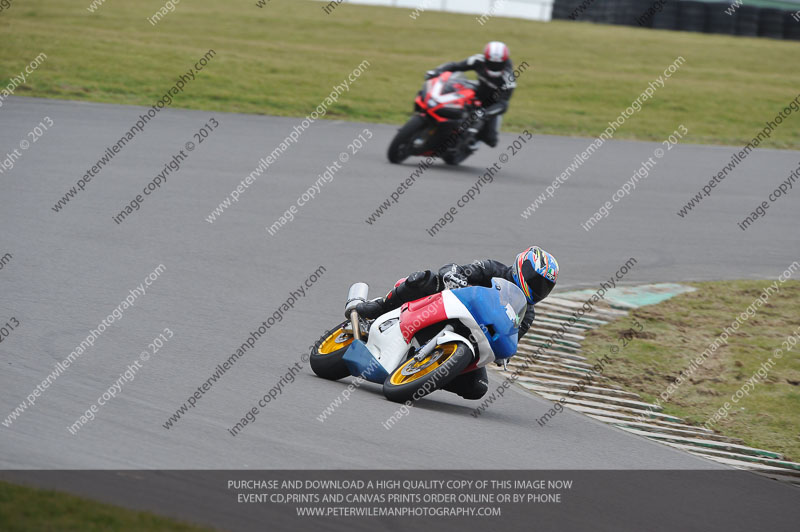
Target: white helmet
{"points": [[496, 57]]}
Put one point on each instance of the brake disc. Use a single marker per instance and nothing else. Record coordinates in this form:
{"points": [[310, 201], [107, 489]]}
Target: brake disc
{"points": [[411, 370]]}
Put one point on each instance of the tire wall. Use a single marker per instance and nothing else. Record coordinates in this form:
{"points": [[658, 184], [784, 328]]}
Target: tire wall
{"points": [[684, 15]]}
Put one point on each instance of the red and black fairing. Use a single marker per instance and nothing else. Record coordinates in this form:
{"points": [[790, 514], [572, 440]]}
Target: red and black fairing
{"points": [[444, 97], [444, 123]]}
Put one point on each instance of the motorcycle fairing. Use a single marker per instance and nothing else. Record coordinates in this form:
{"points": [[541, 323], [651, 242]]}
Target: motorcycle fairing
{"points": [[419, 314], [444, 97], [384, 351], [455, 309], [362, 363], [499, 326]]}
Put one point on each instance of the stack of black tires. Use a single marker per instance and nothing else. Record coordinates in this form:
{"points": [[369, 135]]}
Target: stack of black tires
{"points": [[685, 15]]}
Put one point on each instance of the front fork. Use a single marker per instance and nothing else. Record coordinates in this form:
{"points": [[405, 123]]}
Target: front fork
{"points": [[428, 348]]}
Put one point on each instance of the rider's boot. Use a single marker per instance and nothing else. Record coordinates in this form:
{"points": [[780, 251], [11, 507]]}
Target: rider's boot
{"points": [[373, 308], [488, 133]]}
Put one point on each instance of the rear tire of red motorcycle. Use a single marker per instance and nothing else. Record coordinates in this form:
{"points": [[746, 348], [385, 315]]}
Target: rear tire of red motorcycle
{"points": [[326, 359], [430, 382], [399, 147]]}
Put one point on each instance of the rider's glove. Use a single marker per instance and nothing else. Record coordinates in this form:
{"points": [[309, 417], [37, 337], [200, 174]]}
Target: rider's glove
{"points": [[454, 279], [431, 74]]}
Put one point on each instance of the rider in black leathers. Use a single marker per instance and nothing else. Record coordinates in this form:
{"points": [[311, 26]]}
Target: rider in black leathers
{"points": [[496, 84]]}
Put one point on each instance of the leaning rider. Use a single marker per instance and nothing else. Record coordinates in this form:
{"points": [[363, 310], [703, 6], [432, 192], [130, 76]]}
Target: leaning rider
{"points": [[534, 271], [496, 84]]}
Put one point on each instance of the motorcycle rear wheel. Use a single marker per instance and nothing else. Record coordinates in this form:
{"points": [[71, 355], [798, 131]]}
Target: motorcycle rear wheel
{"points": [[413, 380], [326, 355], [400, 147]]}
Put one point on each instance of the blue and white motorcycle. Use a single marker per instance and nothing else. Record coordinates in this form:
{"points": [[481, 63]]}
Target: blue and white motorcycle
{"points": [[425, 344]]}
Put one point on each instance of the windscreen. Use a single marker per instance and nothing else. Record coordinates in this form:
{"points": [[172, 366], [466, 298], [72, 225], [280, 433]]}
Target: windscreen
{"points": [[512, 298]]}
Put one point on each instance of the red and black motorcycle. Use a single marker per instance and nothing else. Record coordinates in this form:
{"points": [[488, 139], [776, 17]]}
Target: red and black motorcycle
{"points": [[447, 117]]}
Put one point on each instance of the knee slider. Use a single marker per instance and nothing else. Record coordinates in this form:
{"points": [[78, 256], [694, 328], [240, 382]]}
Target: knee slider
{"points": [[478, 390]]}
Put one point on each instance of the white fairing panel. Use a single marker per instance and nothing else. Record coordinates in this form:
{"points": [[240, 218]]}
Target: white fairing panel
{"points": [[388, 347], [455, 309], [449, 336]]}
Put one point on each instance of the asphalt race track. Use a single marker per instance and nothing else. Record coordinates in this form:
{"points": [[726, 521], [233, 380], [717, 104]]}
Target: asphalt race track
{"points": [[70, 269]]}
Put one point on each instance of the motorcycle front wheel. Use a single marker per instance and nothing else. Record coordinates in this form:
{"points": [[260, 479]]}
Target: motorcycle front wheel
{"points": [[415, 379], [400, 148]]}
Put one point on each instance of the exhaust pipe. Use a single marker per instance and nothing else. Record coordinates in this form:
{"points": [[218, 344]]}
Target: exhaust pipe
{"points": [[357, 294]]}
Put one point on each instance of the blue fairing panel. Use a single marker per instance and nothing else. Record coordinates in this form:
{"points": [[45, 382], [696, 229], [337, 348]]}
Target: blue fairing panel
{"points": [[484, 305], [360, 362]]}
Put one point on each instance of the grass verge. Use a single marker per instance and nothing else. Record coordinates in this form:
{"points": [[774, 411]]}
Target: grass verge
{"points": [[284, 59], [679, 329], [23, 509]]}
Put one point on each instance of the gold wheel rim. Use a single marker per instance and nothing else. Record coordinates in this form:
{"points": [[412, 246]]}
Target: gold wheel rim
{"points": [[335, 341], [414, 370]]}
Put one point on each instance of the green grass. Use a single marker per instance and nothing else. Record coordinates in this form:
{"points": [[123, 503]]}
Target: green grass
{"points": [[285, 58], [679, 329], [24, 509]]}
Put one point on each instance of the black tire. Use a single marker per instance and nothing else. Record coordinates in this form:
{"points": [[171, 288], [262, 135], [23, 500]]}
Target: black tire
{"points": [[627, 11], [562, 9], [719, 21], [667, 18], [770, 23], [791, 27], [399, 149], [456, 157], [747, 21], [693, 16], [327, 362], [439, 377]]}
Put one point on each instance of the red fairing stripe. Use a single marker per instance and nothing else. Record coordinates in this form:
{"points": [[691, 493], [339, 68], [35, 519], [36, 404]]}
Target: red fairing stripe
{"points": [[421, 313]]}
